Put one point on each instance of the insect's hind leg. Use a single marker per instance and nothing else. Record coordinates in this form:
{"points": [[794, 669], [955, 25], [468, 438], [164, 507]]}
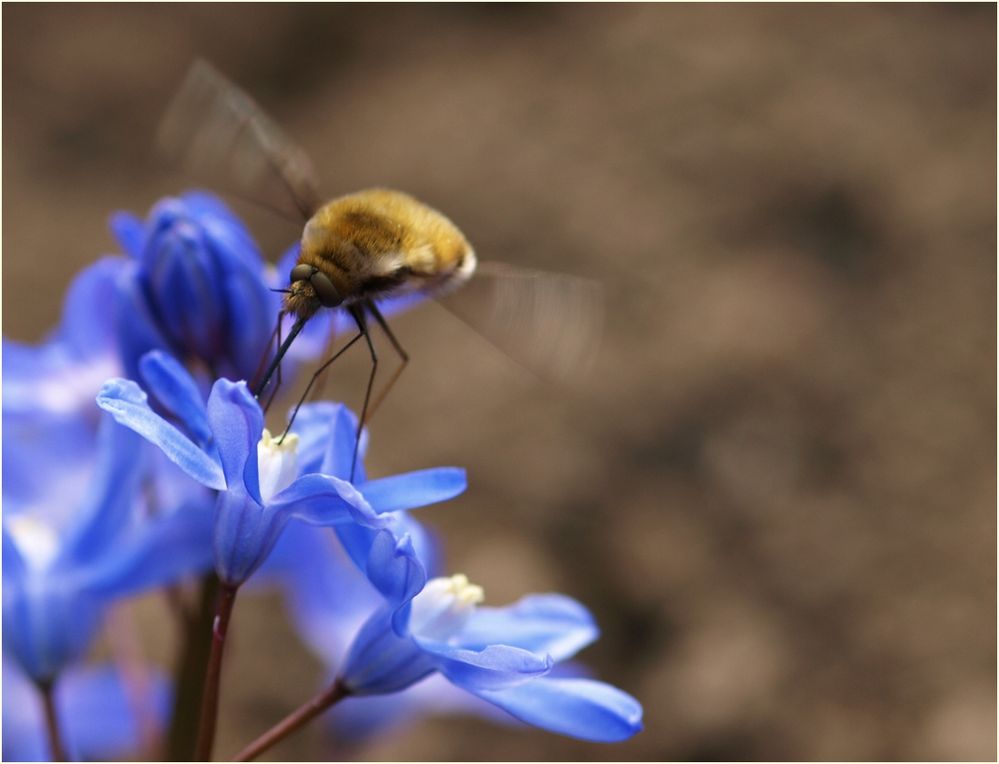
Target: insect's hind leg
{"points": [[323, 373], [312, 381], [403, 356]]}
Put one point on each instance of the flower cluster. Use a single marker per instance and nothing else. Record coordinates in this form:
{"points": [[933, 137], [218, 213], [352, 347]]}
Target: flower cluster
{"points": [[138, 461]]}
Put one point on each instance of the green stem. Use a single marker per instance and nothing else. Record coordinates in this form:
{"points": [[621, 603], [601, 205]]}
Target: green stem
{"points": [[294, 721], [213, 676]]}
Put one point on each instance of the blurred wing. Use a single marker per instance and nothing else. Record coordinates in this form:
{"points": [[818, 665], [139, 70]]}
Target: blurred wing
{"points": [[549, 323], [216, 130]]}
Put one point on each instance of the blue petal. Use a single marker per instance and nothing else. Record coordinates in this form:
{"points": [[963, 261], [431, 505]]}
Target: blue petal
{"points": [[130, 232], [325, 500], [382, 661], [340, 448], [108, 505], [87, 327], [107, 713], [126, 402], [367, 716], [238, 423], [580, 708], [138, 332], [415, 489], [253, 309], [49, 622], [160, 551], [13, 564], [329, 597], [185, 289], [542, 623], [175, 389], [494, 668], [314, 425], [244, 534], [356, 541], [395, 571]]}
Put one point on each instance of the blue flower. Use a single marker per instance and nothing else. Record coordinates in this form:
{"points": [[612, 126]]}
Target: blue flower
{"points": [[102, 717], [329, 599], [198, 287], [262, 482], [501, 655], [62, 569], [49, 389]]}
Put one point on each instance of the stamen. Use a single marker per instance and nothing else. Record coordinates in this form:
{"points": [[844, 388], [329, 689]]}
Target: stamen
{"points": [[441, 610], [277, 463], [35, 540]]}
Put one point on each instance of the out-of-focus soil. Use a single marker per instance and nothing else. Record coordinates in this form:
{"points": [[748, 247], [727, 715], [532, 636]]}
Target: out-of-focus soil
{"points": [[777, 488]]}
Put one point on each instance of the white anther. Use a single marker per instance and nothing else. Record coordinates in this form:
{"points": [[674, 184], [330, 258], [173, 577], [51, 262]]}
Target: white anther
{"points": [[277, 464], [441, 610], [35, 540]]}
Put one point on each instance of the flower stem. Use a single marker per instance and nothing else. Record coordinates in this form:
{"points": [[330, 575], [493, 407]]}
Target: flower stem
{"points": [[213, 676], [58, 750], [191, 671], [294, 721]]}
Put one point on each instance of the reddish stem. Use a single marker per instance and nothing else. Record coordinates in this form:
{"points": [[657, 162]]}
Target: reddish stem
{"points": [[294, 721], [58, 750], [213, 676]]}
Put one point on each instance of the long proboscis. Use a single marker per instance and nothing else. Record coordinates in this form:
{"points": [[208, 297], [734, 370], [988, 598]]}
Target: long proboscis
{"points": [[281, 352]]}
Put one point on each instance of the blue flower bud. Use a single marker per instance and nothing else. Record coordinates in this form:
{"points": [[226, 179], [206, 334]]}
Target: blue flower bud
{"points": [[198, 288]]}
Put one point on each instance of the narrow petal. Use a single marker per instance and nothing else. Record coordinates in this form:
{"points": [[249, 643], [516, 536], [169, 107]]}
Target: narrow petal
{"points": [[130, 232], [325, 500], [252, 308], [580, 708], [494, 668], [137, 329], [314, 426], [126, 402], [415, 489], [237, 422], [109, 502], [175, 389], [542, 623], [340, 447], [394, 569], [87, 326]]}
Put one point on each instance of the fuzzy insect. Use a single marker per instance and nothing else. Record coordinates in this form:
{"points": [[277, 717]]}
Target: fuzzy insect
{"points": [[362, 247]]}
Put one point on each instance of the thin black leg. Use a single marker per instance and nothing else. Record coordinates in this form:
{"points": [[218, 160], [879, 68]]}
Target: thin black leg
{"points": [[403, 355], [362, 325], [308, 387]]}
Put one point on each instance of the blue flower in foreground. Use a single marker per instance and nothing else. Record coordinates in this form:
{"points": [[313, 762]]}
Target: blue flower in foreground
{"points": [[262, 482], [103, 716], [329, 599], [198, 287], [502, 655], [58, 578]]}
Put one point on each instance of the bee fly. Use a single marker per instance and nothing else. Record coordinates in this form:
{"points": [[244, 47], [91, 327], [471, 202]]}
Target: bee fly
{"points": [[369, 245]]}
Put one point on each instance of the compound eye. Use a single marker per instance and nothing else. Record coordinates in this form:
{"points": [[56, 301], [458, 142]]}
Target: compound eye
{"points": [[302, 273], [325, 290]]}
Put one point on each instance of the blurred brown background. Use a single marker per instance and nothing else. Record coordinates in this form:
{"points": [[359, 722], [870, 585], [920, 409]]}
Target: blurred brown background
{"points": [[777, 489]]}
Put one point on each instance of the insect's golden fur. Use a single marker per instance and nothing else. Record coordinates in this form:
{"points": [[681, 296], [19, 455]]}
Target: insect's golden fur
{"points": [[378, 241]]}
